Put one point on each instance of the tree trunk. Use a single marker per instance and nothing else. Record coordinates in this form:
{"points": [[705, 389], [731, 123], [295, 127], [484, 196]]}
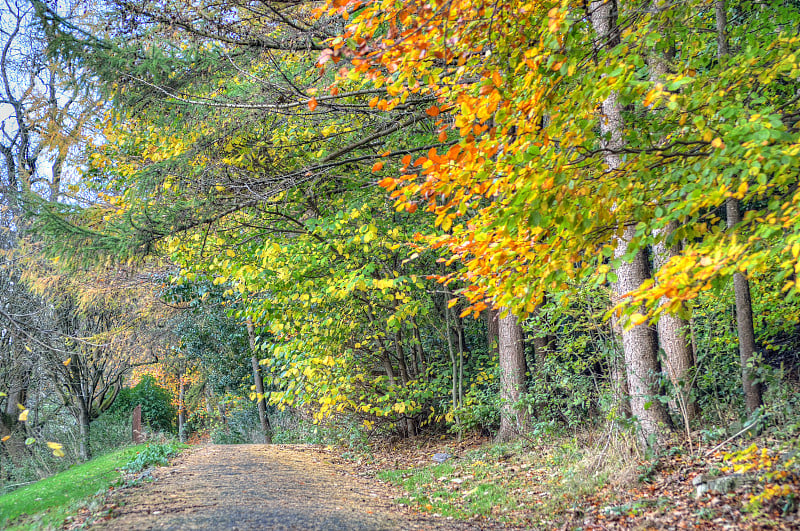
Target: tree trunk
{"points": [[674, 337], [672, 330], [422, 365], [640, 348], [181, 410], [639, 344], [741, 286], [258, 380], [542, 343], [14, 445], [84, 448], [492, 330], [513, 421], [744, 323], [619, 376]]}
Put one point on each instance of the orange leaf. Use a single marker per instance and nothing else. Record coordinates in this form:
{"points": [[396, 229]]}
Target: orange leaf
{"points": [[387, 183], [312, 104], [496, 79], [378, 166], [433, 110]]}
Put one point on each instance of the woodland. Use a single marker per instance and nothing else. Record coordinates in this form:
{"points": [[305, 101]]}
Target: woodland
{"points": [[358, 221]]}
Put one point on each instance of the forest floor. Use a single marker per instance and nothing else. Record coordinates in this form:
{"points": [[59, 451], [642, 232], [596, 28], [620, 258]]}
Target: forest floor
{"points": [[273, 487], [595, 482]]}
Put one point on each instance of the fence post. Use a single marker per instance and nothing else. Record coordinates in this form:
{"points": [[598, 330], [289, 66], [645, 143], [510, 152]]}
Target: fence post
{"points": [[138, 436]]}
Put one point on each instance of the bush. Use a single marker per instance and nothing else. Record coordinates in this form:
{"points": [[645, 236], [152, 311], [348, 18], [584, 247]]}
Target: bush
{"points": [[110, 431], [242, 424], [153, 455], [292, 427], [157, 409]]}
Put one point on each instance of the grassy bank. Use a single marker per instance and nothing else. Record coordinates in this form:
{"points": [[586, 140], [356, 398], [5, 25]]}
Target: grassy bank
{"points": [[46, 503]]}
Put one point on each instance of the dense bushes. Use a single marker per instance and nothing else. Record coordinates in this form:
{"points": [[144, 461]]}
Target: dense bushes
{"points": [[157, 410]]}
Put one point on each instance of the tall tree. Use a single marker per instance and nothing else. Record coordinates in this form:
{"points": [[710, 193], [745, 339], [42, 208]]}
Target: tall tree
{"points": [[639, 343], [45, 121], [741, 286], [258, 381], [515, 419]]}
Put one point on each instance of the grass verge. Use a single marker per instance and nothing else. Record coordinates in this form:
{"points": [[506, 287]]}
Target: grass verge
{"points": [[497, 483], [47, 503]]}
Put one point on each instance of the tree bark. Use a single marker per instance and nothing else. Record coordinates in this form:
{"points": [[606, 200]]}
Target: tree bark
{"points": [[182, 410], [258, 380], [744, 322], [674, 337], [640, 347], [639, 344], [492, 330], [84, 433], [513, 421]]}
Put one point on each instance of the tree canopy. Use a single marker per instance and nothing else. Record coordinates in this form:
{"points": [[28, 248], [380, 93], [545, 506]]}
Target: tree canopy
{"points": [[374, 193]]}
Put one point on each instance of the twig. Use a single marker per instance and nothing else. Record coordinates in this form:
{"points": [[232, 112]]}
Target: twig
{"points": [[729, 439]]}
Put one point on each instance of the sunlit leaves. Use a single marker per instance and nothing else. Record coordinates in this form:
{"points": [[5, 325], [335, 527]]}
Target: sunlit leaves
{"points": [[57, 448], [525, 198]]}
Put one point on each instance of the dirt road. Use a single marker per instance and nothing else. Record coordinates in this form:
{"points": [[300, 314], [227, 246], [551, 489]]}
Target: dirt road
{"points": [[265, 487]]}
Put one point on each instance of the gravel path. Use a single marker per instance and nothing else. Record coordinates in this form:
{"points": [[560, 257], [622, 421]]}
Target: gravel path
{"points": [[265, 487]]}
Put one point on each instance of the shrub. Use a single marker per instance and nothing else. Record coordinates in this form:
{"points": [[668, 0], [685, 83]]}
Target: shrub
{"points": [[242, 424], [153, 455], [157, 409]]}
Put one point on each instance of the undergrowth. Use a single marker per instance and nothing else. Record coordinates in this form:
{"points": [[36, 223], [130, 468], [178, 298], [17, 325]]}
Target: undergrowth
{"points": [[153, 455]]}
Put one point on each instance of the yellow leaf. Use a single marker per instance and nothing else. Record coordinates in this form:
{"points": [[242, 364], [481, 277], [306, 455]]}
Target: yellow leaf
{"points": [[637, 319], [58, 453], [66, 361], [230, 253], [4, 439], [24, 415], [54, 445]]}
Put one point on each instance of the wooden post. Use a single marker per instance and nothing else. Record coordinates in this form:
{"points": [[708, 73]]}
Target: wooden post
{"points": [[138, 436]]}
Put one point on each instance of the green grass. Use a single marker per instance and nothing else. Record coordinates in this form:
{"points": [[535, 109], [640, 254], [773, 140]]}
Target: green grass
{"points": [[46, 503], [462, 490], [506, 483]]}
